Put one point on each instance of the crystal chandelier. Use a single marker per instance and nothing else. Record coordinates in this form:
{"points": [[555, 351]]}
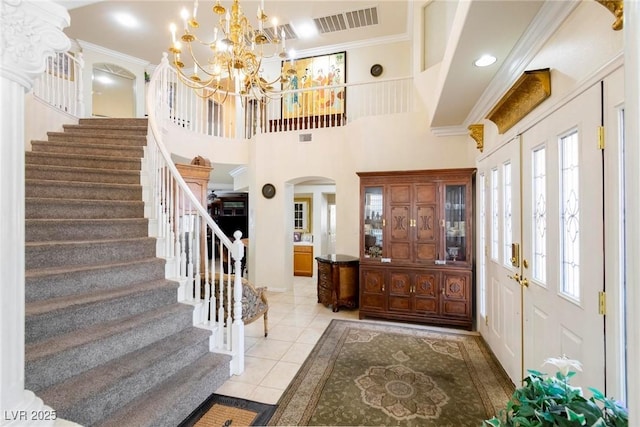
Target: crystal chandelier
{"points": [[236, 54]]}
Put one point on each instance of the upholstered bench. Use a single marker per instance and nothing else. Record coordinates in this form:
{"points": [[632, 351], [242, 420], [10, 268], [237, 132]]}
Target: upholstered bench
{"points": [[254, 301]]}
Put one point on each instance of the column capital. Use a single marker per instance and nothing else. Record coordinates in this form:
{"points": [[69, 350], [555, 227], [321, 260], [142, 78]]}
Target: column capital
{"points": [[31, 32]]}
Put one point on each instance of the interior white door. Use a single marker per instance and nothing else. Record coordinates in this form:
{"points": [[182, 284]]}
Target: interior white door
{"points": [[500, 321], [563, 239]]}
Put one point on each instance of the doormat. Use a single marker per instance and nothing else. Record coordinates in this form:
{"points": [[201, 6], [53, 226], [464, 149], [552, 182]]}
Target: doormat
{"points": [[219, 410]]}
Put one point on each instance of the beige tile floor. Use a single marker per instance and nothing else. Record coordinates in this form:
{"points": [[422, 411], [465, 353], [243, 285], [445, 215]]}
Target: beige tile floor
{"points": [[296, 322]]}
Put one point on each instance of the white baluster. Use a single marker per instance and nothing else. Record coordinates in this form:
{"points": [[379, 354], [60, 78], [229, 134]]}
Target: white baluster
{"points": [[237, 338]]}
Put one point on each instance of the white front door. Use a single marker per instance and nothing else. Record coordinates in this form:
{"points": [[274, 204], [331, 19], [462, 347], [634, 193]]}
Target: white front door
{"points": [[500, 320], [563, 251]]}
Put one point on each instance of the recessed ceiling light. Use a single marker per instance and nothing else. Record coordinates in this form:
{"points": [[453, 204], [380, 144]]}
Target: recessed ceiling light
{"points": [[126, 20], [485, 61], [306, 30]]}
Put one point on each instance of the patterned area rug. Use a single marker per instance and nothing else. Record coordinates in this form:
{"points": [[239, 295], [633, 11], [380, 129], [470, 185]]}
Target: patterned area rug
{"points": [[219, 411], [369, 374]]}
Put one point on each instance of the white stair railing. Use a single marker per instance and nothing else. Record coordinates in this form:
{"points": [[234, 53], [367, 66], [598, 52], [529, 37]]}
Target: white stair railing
{"points": [[61, 84], [189, 239]]}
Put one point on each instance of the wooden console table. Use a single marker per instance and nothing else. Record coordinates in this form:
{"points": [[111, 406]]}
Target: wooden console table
{"points": [[338, 277]]}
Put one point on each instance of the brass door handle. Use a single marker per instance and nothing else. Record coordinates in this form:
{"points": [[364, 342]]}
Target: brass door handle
{"points": [[522, 281]]}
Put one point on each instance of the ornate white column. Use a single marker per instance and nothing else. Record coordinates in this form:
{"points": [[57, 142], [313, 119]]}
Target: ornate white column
{"points": [[31, 31]]}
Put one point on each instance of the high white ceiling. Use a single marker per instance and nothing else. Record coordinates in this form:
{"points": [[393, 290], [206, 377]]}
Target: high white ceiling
{"points": [[487, 26], [490, 26]]}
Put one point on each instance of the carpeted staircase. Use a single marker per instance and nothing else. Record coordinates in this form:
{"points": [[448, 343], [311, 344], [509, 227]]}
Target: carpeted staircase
{"points": [[107, 343]]}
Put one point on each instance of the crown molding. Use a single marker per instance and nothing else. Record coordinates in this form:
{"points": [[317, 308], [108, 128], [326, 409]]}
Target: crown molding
{"points": [[86, 46], [238, 171], [456, 130]]}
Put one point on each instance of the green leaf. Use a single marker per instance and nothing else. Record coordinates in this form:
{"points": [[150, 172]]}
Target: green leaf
{"points": [[493, 422], [574, 416]]}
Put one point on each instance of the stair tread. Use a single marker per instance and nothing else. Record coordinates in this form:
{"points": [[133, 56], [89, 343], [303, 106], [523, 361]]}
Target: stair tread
{"points": [[94, 135], [40, 272], [57, 168], [98, 332], [79, 156], [52, 182], [88, 145], [76, 389], [163, 398], [89, 242], [36, 308], [105, 126], [83, 201], [98, 221]]}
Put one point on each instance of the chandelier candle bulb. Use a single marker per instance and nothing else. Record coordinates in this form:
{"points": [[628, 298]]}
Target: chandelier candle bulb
{"points": [[172, 28], [195, 9], [184, 14]]}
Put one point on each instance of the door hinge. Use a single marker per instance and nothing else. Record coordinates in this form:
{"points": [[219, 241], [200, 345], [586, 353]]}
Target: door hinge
{"points": [[486, 320], [602, 303], [601, 137]]}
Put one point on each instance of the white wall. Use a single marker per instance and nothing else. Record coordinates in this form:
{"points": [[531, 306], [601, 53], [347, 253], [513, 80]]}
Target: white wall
{"points": [[40, 118]]}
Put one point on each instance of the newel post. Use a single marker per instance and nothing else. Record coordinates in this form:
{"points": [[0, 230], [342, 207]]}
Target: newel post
{"points": [[237, 329]]}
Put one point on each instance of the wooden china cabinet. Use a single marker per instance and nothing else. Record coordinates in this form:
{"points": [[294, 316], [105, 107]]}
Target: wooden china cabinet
{"points": [[416, 246]]}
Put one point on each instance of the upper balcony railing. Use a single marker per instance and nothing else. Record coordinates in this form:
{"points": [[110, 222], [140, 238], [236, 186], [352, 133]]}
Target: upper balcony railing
{"points": [[240, 117], [61, 84]]}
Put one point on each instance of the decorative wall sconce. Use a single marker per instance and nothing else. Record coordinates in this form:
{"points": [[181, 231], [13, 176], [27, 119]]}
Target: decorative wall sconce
{"points": [[476, 131], [617, 8]]}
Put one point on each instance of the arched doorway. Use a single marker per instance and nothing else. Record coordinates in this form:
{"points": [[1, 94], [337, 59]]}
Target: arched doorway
{"points": [[112, 91]]}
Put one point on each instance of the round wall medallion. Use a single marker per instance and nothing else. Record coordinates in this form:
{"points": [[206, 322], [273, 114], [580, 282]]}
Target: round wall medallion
{"points": [[268, 191], [376, 70]]}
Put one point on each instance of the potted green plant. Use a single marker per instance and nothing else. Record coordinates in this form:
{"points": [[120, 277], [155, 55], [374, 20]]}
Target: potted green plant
{"points": [[546, 401]]}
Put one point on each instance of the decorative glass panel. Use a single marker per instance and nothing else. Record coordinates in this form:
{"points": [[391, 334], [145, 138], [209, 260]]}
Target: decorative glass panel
{"points": [[539, 229], [373, 222], [483, 243], [495, 212], [456, 229], [507, 212], [570, 216]]}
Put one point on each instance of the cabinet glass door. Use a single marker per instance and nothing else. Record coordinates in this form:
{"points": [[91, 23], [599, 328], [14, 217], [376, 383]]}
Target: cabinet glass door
{"points": [[455, 224], [373, 222]]}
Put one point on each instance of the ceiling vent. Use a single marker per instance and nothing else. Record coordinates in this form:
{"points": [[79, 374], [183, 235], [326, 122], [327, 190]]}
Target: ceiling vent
{"points": [[288, 32], [330, 24], [348, 20], [362, 17]]}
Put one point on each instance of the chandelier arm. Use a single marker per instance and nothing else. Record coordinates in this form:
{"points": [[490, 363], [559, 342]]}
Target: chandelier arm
{"points": [[239, 61]]}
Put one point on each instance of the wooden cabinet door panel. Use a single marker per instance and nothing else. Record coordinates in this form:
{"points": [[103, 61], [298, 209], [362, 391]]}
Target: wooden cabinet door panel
{"points": [[399, 291], [426, 234], [372, 289], [456, 294], [400, 193], [303, 261], [426, 193], [427, 293], [399, 222]]}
